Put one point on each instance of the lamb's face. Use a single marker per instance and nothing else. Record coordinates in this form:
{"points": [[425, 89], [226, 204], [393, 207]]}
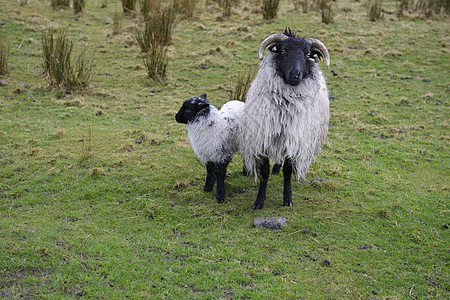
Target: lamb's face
{"points": [[294, 59], [192, 109]]}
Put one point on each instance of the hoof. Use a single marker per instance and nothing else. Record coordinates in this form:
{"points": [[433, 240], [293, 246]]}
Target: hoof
{"points": [[208, 188], [220, 200], [257, 206], [287, 203]]}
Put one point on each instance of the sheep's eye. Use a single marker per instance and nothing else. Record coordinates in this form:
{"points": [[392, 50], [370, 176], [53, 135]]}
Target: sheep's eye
{"points": [[311, 56], [283, 51]]}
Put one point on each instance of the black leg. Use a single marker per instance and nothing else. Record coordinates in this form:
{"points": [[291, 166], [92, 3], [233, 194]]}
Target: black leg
{"points": [[287, 174], [221, 174], [264, 170], [210, 176], [276, 169]]}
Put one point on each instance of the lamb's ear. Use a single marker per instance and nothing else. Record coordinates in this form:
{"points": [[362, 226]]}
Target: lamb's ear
{"points": [[203, 96]]}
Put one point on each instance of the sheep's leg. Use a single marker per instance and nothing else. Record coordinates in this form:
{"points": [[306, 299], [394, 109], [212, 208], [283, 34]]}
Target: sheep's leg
{"points": [[287, 190], [264, 171], [221, 174], [210, 176]]}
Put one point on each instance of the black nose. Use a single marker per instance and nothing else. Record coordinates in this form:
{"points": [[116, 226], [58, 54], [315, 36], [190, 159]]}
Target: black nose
{"points": [[294, 74]]}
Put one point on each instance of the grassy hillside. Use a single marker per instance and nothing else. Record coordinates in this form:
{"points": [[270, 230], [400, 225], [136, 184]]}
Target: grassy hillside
{"points": [[101, 195]]}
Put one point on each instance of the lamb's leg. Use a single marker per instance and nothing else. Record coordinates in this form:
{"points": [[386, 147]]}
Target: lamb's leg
{"points": [[287, 174], [264, 171], [210, 176], [221, 174]]}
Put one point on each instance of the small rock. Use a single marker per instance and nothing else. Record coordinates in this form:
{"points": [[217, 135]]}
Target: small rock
{"points": [[326, 262], [374, 292], [138, 141], [3, 82], [274, 223], [445, 226]]}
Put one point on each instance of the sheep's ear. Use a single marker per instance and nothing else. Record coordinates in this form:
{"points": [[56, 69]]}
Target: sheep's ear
{"points": [[273, 48], [203, 96], [316, 54]]}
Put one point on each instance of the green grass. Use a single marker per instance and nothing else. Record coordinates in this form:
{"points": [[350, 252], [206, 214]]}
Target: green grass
{"points": [[87, 211]]}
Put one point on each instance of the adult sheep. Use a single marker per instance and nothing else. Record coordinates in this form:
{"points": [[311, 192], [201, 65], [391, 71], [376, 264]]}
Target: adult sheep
{"points": [[213, 135], [286, 113]]}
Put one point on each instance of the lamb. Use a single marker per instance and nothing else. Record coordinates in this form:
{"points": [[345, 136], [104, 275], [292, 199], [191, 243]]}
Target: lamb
{"points": [[286, 114], [213, 134]]}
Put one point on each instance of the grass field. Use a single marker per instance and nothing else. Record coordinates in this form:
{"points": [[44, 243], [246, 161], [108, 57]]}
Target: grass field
{"points": [[101, 195]]}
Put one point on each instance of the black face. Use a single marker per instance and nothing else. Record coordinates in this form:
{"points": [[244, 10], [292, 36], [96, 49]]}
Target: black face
{"points": [[294, 59], [192, 109]]}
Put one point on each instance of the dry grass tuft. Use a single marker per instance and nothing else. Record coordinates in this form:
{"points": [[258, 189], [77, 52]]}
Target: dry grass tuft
{"points": [[96, 172], [242, 84], [59, 133]]}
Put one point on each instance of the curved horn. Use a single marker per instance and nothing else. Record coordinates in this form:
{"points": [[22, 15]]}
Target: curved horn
{"points": [[319, 45], [269, 40]]}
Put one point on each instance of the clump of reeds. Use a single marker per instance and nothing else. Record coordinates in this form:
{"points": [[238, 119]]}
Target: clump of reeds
{"points": [[146, 6], [402, 6], [242, 84], [155, 62], [430, 7], [227, 5], [375, 11], [116, 22], [325, 7], [270, 9], [78, 6], [159, 26], [186, 7], [157, 34], [55, 4], [427, 8], [60, 67], [129, 5], [3, 60], [304, 4]]}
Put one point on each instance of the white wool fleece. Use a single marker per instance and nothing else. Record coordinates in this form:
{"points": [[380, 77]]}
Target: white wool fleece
{"points": [[283, 121], [214, 137]]}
